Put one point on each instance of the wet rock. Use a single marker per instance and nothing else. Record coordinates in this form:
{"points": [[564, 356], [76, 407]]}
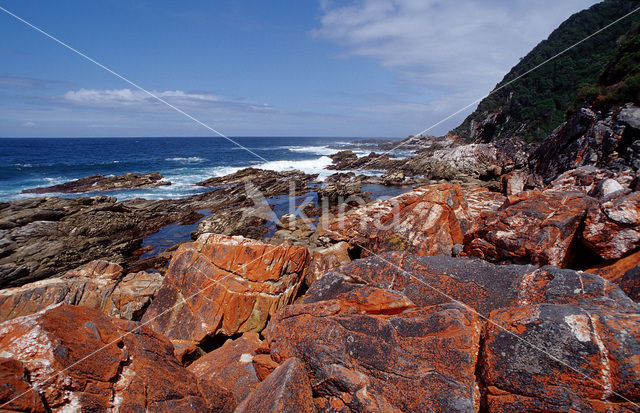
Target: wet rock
{"points": [[393, 177], [612, 227], [286, 390], [248, 222], [531, 227], [99, 284], [225, 285], [79, 359], [272, 182], [349, 160], [103, 183], [230, 367], [45, 237], [339, 187]]}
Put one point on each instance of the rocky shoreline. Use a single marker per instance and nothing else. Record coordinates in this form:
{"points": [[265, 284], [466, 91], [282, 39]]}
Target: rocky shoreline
{"points": [[495, 282]]}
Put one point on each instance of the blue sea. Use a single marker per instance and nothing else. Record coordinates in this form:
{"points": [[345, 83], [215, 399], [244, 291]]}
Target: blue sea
{"points": [[34, 162]]}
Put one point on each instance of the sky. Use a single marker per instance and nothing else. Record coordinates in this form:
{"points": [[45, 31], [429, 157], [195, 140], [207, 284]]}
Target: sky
{"points": [[346, 68]]}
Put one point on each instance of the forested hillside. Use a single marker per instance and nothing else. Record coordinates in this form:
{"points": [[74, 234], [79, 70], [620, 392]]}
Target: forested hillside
{"points": [[534, 105]]}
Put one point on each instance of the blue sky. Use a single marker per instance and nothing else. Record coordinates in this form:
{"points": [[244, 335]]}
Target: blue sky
{"points": [[254, 68]]}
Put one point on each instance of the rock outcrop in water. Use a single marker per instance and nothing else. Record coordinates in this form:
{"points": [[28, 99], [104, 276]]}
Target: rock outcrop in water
{"points": [[45, 237], [103, 183]]}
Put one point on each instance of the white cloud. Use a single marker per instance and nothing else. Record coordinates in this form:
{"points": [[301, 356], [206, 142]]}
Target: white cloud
{"points": [[128, 97], [461, 48], [29, 124], [137, 99]]}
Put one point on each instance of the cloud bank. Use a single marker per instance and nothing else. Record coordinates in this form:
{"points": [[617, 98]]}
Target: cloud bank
{"points": [[458, 49]]}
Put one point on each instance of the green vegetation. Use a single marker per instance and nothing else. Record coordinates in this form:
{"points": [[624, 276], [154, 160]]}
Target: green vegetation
{"points": [[534, 105], [620, 81]]}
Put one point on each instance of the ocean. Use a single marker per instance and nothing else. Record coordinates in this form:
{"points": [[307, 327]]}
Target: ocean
{"points": [[34, 162]]}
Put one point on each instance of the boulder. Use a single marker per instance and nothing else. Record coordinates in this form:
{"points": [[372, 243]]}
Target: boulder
{"points": [[592, 181], [536, 317], [77, 359], [614, 270], [230, 367], [365, 355], [225, 285], [339, 187], [16, 393], [425, 221], [553, 357], [99, 284], [428, 281], [513, 182], [248, 222], [531, 227], [286, 390], [612, 227], [326, 259]]}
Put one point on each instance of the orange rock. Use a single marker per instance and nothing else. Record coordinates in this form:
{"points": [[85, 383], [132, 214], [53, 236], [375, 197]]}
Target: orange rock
{"points": [[365, 344], [230, 367], [399, 282], [613, 271], [286, 390], [80, 360], [325, 259], [531, 227], [545, 356], [413, 361], [513, 182], [425, 221], [15, 382], [264, 365], [98, 284], [612, 228], [225, 285]]}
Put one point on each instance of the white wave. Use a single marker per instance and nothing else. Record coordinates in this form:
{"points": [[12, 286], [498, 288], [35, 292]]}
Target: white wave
{"points": [[190, 159], [22, 165], [309, 166], [316, 150], [55, 181]]}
